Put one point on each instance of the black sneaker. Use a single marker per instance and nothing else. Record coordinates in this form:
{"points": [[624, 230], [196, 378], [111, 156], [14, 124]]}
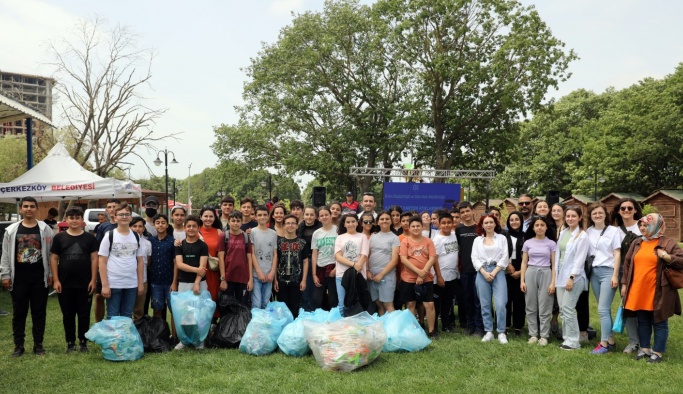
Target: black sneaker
{"points": [[433, 335], [70, 347], [83, 346], [18, 351], [565, 347], [641, 355], [38, 349], [654, 359]]}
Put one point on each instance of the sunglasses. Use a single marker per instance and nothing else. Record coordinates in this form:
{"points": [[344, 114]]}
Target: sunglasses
{"points": [[524, 203], [624, 209], [367, 221]]}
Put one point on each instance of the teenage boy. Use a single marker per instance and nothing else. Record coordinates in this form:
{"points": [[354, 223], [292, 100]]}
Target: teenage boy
{"points": [[418, 255], [455, 214], [51, 219], [178, 214], [101, 218], [191, 259], [466, 233], [161, 264], [446, 246], [151, 206], [264, 262], [296, 208], [227, 205], [138, 225], [292, 267], [368, 204], [236, 255], [99, 235], [25, 272], [73, 260], [247, 209], [121, 265]]}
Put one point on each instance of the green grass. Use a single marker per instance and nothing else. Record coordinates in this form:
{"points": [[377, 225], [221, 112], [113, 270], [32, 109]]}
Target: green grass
{"points": [[451, 364]]}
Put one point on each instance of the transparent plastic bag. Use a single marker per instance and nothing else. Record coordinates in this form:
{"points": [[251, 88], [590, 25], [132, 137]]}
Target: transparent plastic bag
{"points": [[192, 316], [403, 332], [118, 338], [292, 340], [265, 328], [346, 344]]}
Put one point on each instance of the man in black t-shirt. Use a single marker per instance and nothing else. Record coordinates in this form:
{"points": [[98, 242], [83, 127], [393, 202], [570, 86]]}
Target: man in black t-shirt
{"points": [[73, 260], [25, 271], [466, 233]]}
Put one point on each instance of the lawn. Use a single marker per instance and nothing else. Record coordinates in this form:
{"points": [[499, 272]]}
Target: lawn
{"points": [[453, 363]]}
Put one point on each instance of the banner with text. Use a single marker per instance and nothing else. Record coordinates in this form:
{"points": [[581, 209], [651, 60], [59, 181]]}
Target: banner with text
{"points": [[421, 196]]}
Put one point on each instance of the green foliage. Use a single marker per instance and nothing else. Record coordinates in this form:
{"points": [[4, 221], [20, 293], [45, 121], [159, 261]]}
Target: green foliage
{"points": [[12, 157], [649, 208]]}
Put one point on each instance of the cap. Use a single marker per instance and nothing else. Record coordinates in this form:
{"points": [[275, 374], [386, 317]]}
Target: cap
{"points": [[152, 199], [349, 194]]}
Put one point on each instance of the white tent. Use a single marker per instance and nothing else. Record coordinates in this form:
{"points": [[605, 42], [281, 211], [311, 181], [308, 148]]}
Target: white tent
{"points": [[59, 177]]}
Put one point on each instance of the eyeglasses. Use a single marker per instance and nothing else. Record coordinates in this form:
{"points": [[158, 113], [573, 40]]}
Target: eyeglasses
{"points": [[367, 221], [524, 203], [123, 215], [624, 209]]}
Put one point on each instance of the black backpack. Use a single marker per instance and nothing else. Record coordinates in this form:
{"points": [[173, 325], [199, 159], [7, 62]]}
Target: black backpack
{"points": [[110, 234]]}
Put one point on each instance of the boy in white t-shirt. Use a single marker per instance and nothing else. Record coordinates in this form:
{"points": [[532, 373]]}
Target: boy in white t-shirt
{"points": [[446, 245], [121, 265]]}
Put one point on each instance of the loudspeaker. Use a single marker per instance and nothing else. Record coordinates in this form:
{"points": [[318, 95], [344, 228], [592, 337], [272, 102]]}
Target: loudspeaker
{"points": [[319, 196], [552, 197]]}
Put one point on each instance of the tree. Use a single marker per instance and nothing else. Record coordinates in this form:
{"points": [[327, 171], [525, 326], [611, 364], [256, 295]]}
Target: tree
{"points": [[101, 76], [478, 66], [328, 95]]}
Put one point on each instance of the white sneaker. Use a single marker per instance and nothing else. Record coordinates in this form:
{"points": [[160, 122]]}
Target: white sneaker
{"points": [[502, 338], [542, 342], [632, 347], [200, 346], [179, 346], [488, 337], [532, 340]]}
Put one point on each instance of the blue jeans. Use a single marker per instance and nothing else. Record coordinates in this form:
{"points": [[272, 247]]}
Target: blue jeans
{"points": [[646, 322], [471, 301], [498, 289], [604, 294], [341, 293], [260, 294], [307, 295], [161, 297], [121, 302]]}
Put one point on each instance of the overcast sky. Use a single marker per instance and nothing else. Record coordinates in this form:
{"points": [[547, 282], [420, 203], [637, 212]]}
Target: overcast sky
{"points": [[202, 45]]}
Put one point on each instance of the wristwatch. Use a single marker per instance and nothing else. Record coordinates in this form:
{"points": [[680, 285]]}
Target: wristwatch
{"points": [[571, 277], [222, 278]]}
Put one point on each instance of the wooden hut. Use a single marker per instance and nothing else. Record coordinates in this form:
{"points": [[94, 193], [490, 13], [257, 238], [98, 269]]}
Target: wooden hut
{"points": [[669, 204], [580, 200], [611, 199]]}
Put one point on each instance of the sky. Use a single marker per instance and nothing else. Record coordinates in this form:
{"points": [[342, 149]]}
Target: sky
{"points": [[202, 46]]}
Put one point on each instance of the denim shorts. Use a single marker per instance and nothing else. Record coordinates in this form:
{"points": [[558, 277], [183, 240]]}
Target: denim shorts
{"points": [[161, 297], [384, 290]]}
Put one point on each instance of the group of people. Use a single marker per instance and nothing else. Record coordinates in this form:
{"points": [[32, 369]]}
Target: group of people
{"points": [[536, 266]]}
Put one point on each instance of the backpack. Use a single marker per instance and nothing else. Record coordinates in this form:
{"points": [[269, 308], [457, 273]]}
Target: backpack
{"points": [[110, 234], [247, 240], [626, 243]]}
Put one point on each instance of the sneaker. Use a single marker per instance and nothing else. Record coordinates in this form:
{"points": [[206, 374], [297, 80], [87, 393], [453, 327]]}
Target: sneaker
{"points": [[543, 342], [518, 332], [179, 346], [632, 347], [599, 349], [502, 338], [18, 351], [38, 349], [488, 337], [583, 338], [433, 335], [3, 312], [532, 340], [83, 346], [641, 355], [200, 346], [611, 346], [70, 347], [566, 347], [478, 333], [654, 359]]}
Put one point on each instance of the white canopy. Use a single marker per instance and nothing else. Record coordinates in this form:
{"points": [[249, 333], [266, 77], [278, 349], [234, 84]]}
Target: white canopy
{"points": [[59, 177]]}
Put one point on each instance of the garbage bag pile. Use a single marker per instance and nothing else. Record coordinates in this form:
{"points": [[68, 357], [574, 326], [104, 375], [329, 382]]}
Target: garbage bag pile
{"points": [[155, 334], [404, 333], [192, 316], [292, 340], [235, 317], [265, 328], [118, 339]]}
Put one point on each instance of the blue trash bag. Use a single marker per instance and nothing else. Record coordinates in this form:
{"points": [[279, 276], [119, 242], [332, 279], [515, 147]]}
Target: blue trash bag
{"points": [[118, 338], [346, 344], [265, 328], [192, 316], [292, 341], [618, 325], [404, 333]]}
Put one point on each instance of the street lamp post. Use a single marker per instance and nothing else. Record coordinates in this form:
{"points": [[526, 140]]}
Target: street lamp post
{"points": [[158, 162], [595, 184], [270, 186]]}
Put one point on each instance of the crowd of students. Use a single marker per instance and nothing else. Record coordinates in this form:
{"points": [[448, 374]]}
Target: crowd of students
{"points": [[536, 266]]}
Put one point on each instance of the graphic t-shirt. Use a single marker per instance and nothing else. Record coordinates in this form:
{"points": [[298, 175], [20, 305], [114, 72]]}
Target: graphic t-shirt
{"points": [[29, 253], [418, 253], [264, 244], [447, 249], [352, 246], [122, 263], [74, 268], [163, 253], [290, 260], [191, 253], [381, 247], [323, 241], [236, 263]]}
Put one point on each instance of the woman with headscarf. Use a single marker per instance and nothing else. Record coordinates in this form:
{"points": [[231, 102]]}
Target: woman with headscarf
{"points": [[646, 289]]}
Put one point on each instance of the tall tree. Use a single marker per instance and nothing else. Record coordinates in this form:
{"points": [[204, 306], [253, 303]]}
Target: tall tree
{"points": [[328, 95], [101, 74], [478, 66]]}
